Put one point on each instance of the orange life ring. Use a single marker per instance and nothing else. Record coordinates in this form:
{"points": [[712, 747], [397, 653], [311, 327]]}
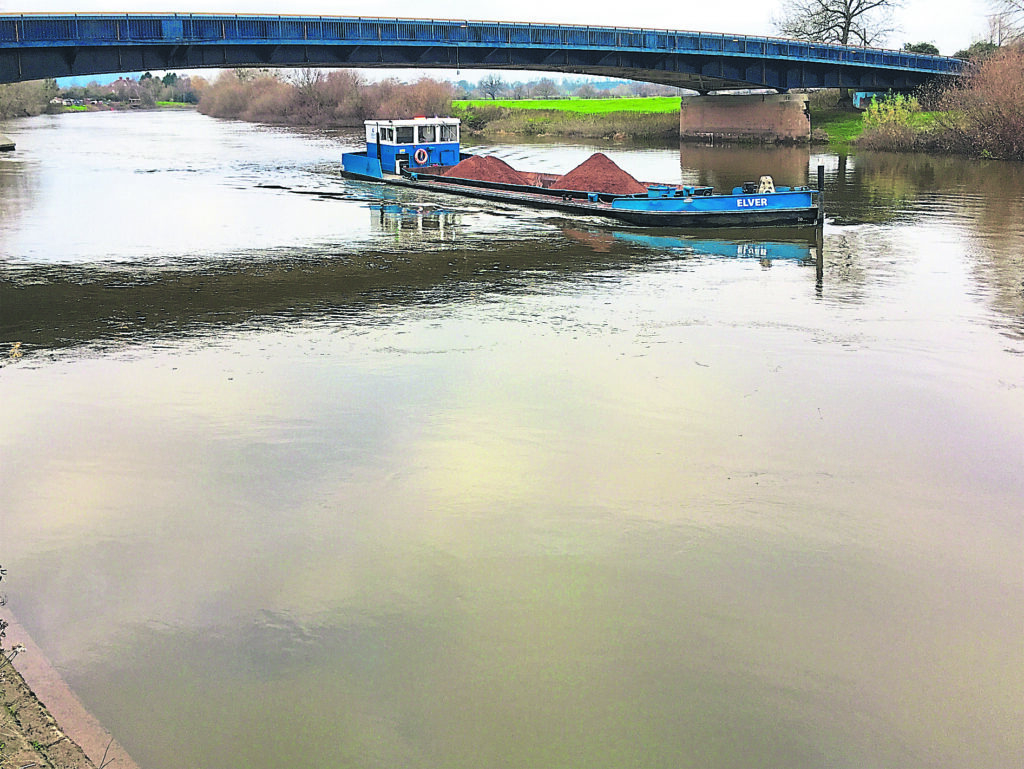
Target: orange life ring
{"points": [[420, 156]]}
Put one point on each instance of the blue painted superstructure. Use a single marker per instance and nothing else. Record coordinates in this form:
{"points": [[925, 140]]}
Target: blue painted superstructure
{"points": [[393, 145], [35, 46]]}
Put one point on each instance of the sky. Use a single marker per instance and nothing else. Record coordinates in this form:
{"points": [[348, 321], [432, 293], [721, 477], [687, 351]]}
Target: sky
{"points": [[949, 24]]}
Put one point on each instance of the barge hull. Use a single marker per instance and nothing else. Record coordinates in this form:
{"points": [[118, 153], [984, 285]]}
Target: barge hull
{"points": [[766, 217]]}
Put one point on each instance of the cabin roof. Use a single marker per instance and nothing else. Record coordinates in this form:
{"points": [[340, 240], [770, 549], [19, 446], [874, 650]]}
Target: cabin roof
{"points": [[416, 121]]}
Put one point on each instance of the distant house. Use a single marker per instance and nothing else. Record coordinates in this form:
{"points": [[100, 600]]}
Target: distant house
{"points": [[125, 90]]}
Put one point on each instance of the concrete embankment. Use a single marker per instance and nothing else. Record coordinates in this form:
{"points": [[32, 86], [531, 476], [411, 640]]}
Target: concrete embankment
{"points": [[29, 735], [60, 734]]}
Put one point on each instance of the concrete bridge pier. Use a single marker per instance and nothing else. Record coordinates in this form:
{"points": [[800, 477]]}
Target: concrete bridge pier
{"points": [[775, 117]]}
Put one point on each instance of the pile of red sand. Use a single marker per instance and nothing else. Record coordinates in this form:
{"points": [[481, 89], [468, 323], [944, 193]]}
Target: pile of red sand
{"points": [[598, 173], [486, 168]]}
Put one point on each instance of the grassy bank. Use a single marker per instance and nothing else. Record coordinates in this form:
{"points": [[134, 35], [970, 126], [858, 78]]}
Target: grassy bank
{"points": [[845, 128], [657, 119], [574, 123], [839, 127]]}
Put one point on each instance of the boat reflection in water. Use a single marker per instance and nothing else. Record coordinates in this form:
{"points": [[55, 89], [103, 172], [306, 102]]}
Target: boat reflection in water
{"points": [[443, 224], [398, 218], [783, 245]]}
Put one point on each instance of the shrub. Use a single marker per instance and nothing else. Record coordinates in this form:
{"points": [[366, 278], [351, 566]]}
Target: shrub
{"points": [[893, 110], [888, 123], [477, 118], [985, 109]]}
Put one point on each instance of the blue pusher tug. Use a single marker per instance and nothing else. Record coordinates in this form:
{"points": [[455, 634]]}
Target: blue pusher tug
{"points": [[421, 153], [396, 145]]}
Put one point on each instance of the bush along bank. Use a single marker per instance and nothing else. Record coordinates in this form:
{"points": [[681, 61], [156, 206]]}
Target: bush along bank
{"points": [[978, 115], [313, 98]]}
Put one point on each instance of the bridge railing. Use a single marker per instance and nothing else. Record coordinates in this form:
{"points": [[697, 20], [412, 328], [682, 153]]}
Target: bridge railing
{"points": [[31, 30]]}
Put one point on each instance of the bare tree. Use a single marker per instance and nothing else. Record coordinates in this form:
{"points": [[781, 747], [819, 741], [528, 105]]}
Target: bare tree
{"points": [[845, 22], [545, 89], [1007, 25], [492, 86]]}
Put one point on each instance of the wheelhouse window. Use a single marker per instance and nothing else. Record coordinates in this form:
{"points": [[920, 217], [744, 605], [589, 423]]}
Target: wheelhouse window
{"points": [[387, 134], [449, 133], [428, 133], [403, 134]]}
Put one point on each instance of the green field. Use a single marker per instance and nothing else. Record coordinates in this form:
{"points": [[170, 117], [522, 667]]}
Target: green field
{"points": [[652, 104]]}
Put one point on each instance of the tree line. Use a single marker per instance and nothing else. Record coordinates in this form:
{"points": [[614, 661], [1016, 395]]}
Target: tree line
{"points": [[312, 97], [303, 97], [493, 86], [38, 96], [26, 99]]}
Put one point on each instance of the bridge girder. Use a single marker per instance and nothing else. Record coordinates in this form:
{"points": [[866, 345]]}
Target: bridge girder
{"points": [[696, 73], [33, 47]]}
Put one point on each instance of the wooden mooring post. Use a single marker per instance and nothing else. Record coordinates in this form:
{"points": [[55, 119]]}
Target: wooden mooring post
{"points": [[819, 235]]}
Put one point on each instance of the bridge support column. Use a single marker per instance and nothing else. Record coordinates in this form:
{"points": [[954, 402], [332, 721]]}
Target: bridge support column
{"points": [[776, 117]]}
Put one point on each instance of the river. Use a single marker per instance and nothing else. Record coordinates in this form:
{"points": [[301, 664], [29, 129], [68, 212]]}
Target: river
{"points": [[295, 470]]}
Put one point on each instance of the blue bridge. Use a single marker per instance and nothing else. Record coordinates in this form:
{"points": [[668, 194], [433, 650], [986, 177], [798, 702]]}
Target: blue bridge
{"points": [[43, 46]]}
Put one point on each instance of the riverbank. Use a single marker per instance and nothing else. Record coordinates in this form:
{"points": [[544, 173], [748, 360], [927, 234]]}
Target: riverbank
{"points": [[29, 734], [639, 119], [532, 121], [120, 106], [979, 115], [61, 733]]}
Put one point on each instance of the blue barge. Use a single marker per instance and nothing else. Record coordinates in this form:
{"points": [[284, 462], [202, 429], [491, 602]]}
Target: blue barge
{"points": [[422, 152]]}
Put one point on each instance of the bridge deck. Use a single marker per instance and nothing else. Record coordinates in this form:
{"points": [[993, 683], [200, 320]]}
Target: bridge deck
{"points": [[64, 44]]}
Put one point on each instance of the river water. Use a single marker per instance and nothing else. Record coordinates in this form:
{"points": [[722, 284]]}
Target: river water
{"points": [[303, 471]]}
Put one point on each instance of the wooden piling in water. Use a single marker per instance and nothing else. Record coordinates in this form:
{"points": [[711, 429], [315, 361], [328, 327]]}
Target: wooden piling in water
{"points": [[819, 235]]}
